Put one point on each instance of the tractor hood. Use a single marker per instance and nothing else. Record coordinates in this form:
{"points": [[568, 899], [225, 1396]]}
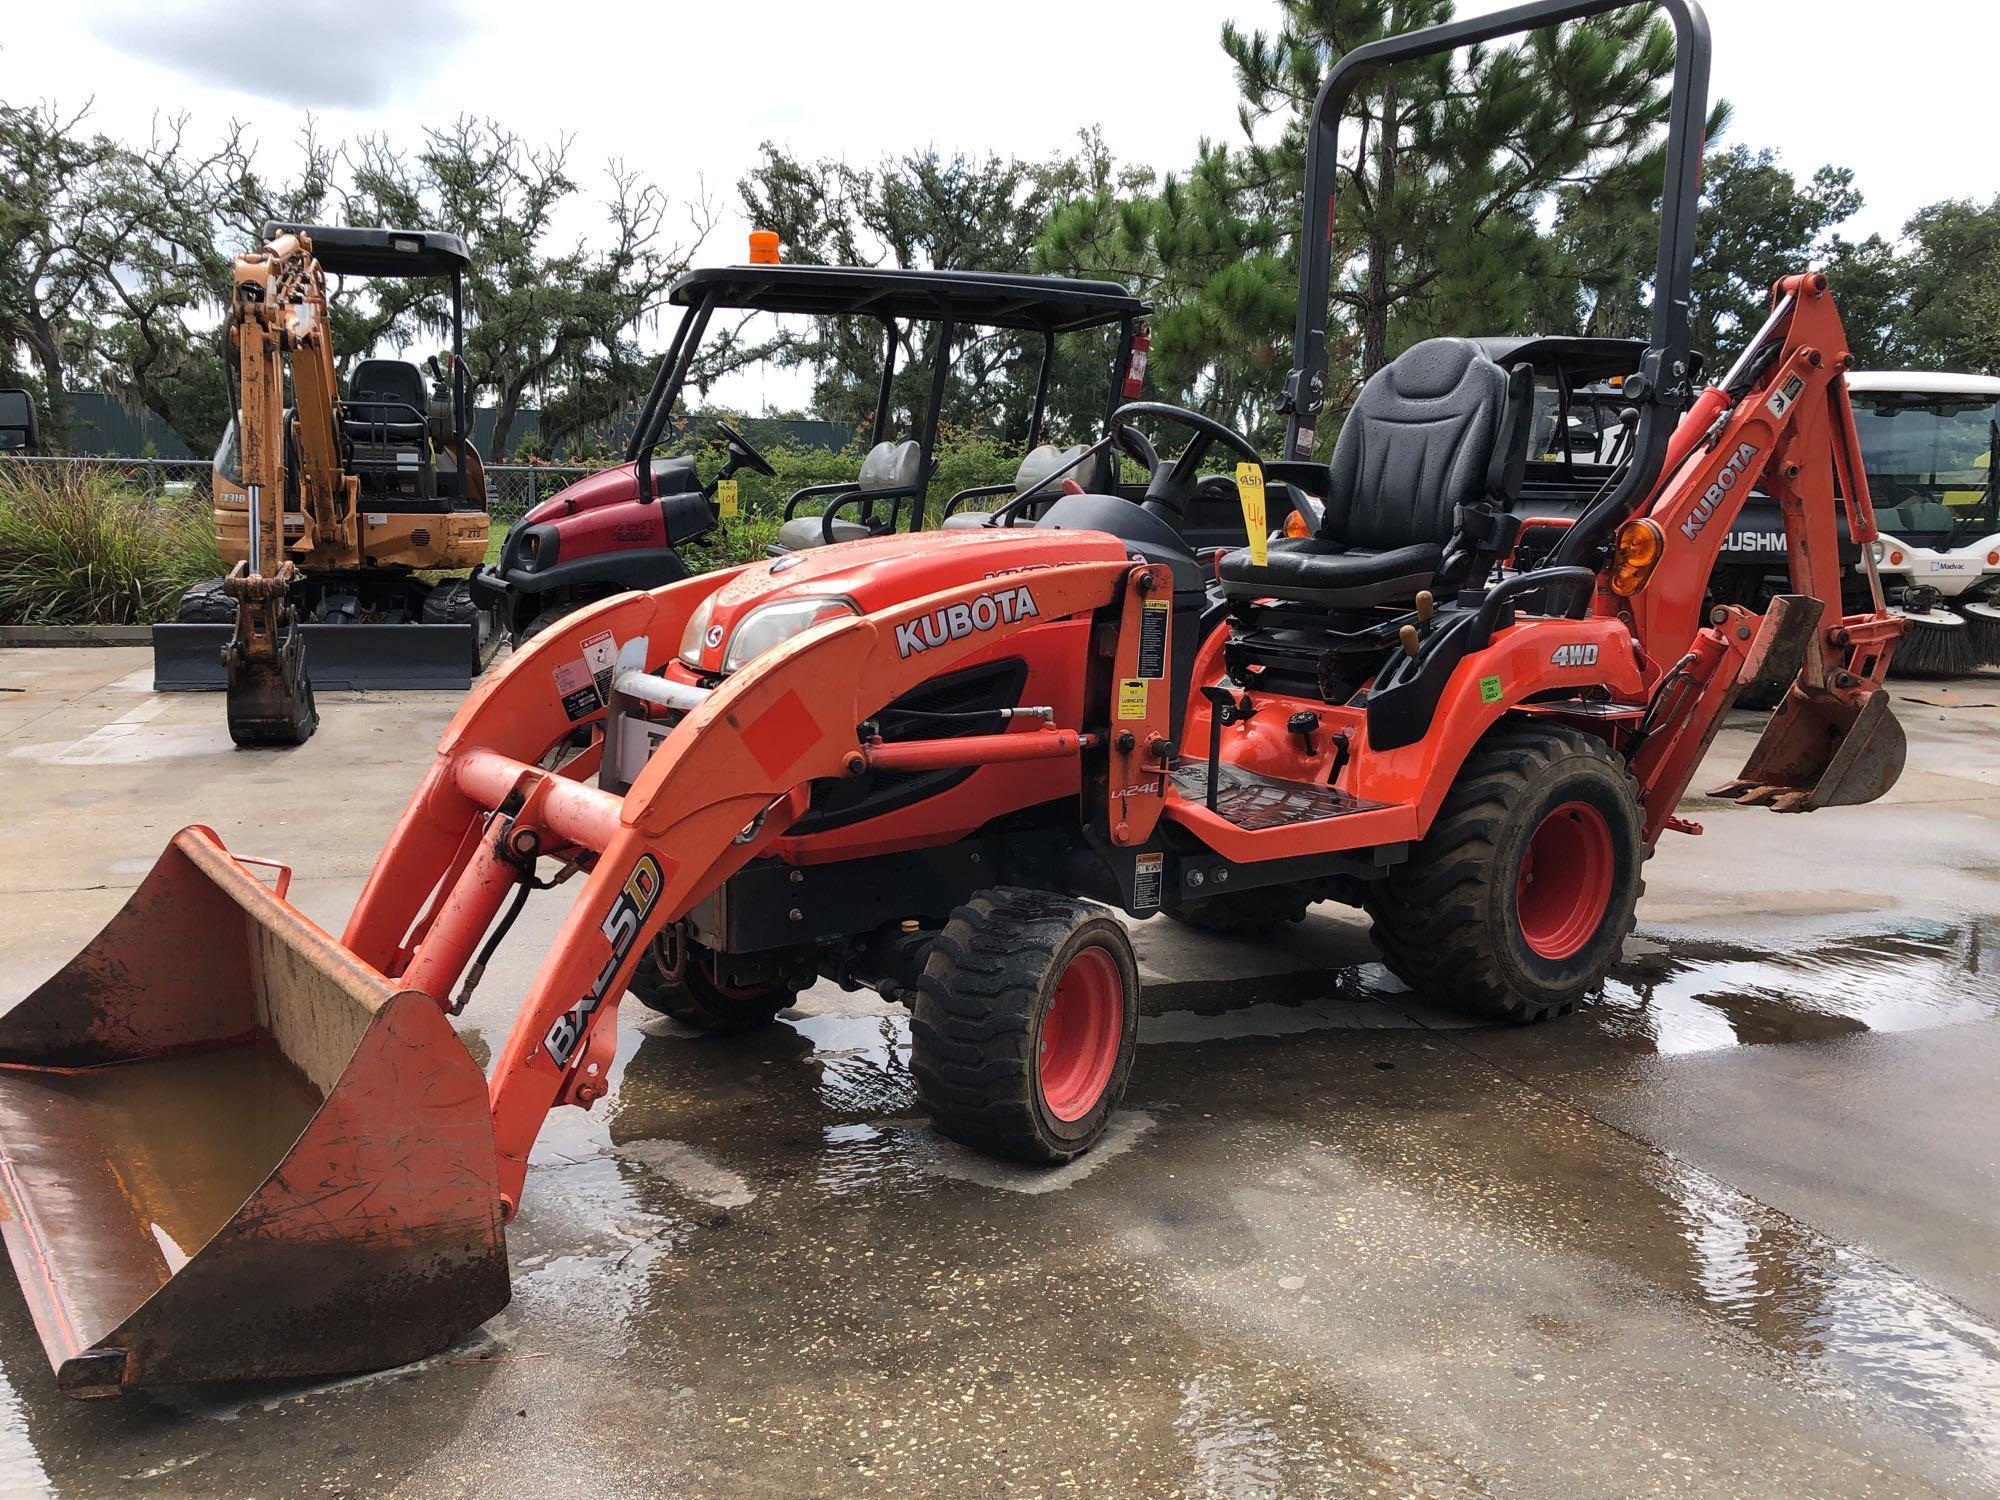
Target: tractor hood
{"points": [[877, 572]]}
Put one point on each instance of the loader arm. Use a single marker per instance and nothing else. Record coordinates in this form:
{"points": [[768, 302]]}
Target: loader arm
{"points": [[727, 782]]}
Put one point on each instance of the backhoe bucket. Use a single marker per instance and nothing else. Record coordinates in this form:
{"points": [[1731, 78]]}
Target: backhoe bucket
{"points": [[229, 1149], [1823, 749]]}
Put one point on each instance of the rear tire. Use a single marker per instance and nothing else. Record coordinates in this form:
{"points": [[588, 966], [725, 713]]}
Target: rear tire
{"points": [[677, 979], [543, 620], [1025, 1024], [1520, 897]]}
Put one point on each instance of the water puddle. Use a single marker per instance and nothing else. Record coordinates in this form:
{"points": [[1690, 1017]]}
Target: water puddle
{"points": [[1695, 997], [1846, 1320], [1233, 1453], [935, 1156]]}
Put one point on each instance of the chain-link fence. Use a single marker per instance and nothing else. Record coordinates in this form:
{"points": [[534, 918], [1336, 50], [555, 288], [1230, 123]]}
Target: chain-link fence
{"points": [[168, 478], [512, 489]]}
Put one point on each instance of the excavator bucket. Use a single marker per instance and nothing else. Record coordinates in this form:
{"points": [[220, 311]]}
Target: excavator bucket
{"points": [[270, 696], [1825, 746], [229, 1149]]}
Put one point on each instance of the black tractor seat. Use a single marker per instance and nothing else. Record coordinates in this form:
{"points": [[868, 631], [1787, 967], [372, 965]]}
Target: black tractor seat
{"points": [[1316, 570], [1423, 477]]}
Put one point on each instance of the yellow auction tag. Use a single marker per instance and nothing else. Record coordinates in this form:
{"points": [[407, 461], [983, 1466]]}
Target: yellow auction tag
{"points": [[1250, 491], [726, 503], [1132, 699]]}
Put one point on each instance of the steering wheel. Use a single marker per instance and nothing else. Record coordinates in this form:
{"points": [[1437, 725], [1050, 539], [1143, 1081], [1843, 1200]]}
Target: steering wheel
{"points": [[1133, 442], [1173, 485], [746, 449]]}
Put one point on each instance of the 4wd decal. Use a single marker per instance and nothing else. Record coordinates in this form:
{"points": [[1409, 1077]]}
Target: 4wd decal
{"points": [[1581, 655], [621, 925], [1731, 476], [955, 622]]}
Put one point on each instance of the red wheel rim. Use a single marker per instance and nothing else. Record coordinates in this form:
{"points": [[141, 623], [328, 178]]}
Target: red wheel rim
{"points": [[1565, 880], [1081, 1031]]}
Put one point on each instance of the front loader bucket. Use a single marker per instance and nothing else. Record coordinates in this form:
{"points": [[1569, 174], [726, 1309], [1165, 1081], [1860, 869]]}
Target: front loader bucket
{"points": [[1823, 749], [229, 1149]]}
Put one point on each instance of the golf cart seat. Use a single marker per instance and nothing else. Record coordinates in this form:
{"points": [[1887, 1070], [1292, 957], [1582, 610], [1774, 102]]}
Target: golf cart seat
{"points": [[889, 472], [386, 419], [1040, 463], [1423, 477]]}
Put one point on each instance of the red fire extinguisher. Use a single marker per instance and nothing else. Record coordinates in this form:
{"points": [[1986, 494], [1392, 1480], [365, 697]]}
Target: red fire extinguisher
{"points": [[1135, 367]]}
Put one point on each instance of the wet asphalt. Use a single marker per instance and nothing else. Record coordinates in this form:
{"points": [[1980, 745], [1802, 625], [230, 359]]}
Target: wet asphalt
{"points": [[1729, 1231]]}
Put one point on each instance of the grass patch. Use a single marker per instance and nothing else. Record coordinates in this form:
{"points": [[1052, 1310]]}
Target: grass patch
{"points": [[79, 546]]}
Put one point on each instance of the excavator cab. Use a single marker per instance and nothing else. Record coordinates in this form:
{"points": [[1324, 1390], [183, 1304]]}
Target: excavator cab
{"points": [[386, 421]]}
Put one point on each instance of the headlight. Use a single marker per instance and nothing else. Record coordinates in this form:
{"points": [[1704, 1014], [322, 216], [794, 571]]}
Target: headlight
{"points": [[1879, 551], [774, 624], [697, 631]]}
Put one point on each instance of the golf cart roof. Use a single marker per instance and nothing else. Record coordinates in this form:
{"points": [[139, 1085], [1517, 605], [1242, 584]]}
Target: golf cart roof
{"points": [[1923, 383], [990, 299], [1583, 361], [380, 252]]}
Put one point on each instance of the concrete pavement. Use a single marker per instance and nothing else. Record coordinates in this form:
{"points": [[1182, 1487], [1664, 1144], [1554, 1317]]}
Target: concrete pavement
{"points": [[1730, 1231]]}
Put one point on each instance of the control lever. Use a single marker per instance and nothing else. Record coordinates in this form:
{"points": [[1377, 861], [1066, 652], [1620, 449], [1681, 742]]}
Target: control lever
{"points": [[1412, 636], [1223, 710]]}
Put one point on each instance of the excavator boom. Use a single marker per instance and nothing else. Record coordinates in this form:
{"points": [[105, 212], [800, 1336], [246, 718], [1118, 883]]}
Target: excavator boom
{"points": [[278, 312]]}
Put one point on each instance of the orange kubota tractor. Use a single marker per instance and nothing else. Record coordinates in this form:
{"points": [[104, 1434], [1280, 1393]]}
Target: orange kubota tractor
{"points": [[934, 764]]}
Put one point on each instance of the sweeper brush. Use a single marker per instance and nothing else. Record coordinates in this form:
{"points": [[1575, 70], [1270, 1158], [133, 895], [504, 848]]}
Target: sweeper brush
{"points": [[1937, 642], [233, 1145]]}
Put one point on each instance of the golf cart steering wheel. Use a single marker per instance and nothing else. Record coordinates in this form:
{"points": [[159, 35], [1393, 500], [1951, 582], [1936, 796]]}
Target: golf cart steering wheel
{"points": [[745, 449], [1173, 485]]}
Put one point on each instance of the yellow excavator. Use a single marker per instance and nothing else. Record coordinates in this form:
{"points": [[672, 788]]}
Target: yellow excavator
{"points": [[330, 506]]}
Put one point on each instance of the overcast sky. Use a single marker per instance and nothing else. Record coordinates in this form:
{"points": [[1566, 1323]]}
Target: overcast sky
{"points": [[686, 92]]}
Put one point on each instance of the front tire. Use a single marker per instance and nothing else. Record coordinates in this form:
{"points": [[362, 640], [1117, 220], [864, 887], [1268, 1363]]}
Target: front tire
{"points": [[1025, 1025], [1519, 899], [677, 978]]}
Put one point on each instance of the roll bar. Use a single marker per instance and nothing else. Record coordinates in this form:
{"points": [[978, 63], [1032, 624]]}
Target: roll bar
{"points": [[1659, 389]]}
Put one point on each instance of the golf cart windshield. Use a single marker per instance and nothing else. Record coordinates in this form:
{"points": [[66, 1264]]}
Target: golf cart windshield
{"points": [[922, 320], [1930, 463]]}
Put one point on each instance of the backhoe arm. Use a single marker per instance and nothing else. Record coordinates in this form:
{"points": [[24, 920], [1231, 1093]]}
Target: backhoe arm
{"points": [[1780, 421]]}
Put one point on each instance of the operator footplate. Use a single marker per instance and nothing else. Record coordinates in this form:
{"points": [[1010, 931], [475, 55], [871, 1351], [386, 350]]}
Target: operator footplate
{"points": [[1254, 803]]}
